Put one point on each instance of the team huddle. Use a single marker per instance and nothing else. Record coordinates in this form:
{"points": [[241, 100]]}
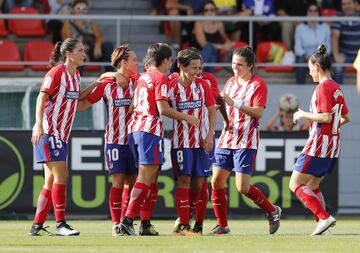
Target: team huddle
{"points": [[134, 136]]}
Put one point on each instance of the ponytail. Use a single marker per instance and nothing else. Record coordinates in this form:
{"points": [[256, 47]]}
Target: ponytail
{"points": [[55, 55]]}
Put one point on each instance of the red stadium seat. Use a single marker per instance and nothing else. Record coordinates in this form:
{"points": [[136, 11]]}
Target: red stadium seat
{"points": [[3, 31], [94, 68], [328, 13], [38, 50], [262, 52], [26, 27], [350, 70], [9, 51]]}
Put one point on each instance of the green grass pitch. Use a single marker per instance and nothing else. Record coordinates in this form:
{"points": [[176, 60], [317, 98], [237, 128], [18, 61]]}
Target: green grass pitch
{"points": [[247, 235]]}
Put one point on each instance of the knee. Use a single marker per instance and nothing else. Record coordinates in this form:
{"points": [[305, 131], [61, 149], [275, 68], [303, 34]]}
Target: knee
{"points": [[293, 186], [217, 183], [243, 189], [183, 182]]}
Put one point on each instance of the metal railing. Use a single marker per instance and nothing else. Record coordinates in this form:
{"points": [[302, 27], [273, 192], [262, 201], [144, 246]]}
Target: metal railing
{"points": [[121, 18]]}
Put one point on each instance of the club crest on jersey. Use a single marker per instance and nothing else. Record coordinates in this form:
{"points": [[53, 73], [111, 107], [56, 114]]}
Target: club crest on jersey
{"points": [[187, 105], [197, 90], [70, 94], [122, 102], [164, 90]]}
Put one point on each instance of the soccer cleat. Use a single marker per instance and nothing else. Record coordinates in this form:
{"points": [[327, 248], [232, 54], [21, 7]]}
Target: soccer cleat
{"points": [[64, 229], [324, 225], [198, 228], [116, 230], [219, 230], [274, 220], [38, 230], [146, 228], [177, 222], [127, 227], [184, 230]]}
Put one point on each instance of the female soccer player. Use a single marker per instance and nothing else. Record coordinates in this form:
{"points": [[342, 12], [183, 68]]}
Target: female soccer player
{"points": [[55, 110], [245, 94], [146, 127], [328, 112], [119, 160], [191, 145]]}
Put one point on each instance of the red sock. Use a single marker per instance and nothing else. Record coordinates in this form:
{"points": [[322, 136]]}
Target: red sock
{"points": [[115, 204], [148, 207], [321, 199], [219, 202], [58, 194], [194, 200], [182, 204], [137, 197], [125, 201], [310, 200], [259, 199], [202, 203], [43, 206]]}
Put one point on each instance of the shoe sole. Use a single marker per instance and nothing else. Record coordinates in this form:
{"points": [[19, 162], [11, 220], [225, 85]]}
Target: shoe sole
{"points": [[325, 229]]}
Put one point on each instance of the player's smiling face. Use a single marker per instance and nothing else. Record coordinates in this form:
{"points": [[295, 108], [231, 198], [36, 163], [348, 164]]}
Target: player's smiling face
{"points": [[239, 66], [132, 62], [192, 70], [313, 71]]}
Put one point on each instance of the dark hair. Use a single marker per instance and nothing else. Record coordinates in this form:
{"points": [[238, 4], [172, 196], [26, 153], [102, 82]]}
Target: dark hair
{"points": [[311, 3], [185, 57], [209, 2], [76, 2], [321, 57], [157, 53], [120, 53], [59, 52], [146, 62], [249, 55]]}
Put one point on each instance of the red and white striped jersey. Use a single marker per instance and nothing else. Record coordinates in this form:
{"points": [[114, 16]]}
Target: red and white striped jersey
{"points": [[60, 108], [117, 100], [150, 87], [243, 129], [190, 100], [324, 138]]}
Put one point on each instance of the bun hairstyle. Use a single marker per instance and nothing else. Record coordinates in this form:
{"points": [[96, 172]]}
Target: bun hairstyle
{"points": [[58, 54], [157, 53], [249, 55], [185, 57], [120, 53], [321, 57]]}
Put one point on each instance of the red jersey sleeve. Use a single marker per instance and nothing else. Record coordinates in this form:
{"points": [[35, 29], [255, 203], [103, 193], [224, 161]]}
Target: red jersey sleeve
{"points": [[260, 93], [51, 80], [161, 88], [324, 100], [345, 109], [98, 92], [209, 99], [214, 86]]}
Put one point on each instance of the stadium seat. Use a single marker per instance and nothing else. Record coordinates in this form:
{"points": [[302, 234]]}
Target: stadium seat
{"points": [[94, 68], [262, 53], [26, 27], [328, 13], [350, 70], [9, 51], [3, 31], [38, 50]]}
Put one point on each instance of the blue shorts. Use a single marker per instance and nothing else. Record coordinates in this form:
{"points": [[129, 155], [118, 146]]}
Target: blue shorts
{"points": [[190, 161], [240, 160], [212, 153], [50, 149], [146, 148], [119, 159], [316, 166]]}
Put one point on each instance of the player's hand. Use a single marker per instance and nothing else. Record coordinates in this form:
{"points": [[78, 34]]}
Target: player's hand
{"points": [[120, 80], [192, 120], [208, 144], [298, 115], [227, 99], [38, 132]]}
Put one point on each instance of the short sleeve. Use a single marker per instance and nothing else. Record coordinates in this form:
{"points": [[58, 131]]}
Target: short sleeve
{"points": [[323, 99], [97, 93], [161, 88], [260, 94], [209, 98], [51, 80], [213, 84]]}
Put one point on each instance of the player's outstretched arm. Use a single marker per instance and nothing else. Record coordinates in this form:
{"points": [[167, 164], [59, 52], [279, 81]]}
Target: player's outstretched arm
{"points": [[317, 117], [165, 109]]}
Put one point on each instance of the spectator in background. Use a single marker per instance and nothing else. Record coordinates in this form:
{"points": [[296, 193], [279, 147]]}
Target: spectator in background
{"points": [[157, 6], [289, 8], [345, 38], [210, 36], [288, 105], [89, 33], [308, 36], [267, 29], [58, 7], [182, 7], [9, 4]]}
